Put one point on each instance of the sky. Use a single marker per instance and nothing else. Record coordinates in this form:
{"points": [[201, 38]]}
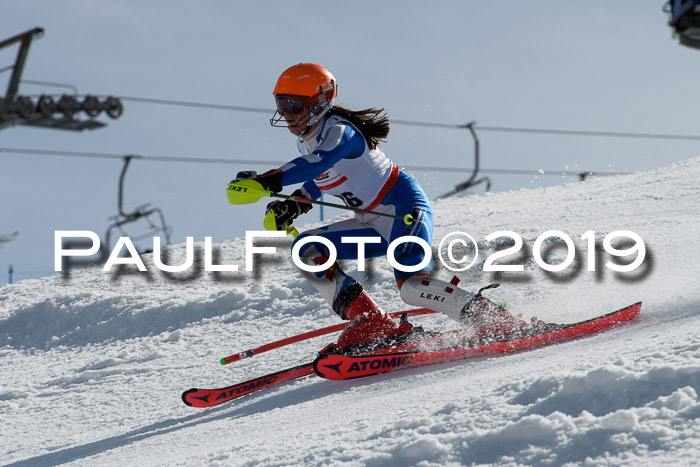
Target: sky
{"points": [[589, 66]]}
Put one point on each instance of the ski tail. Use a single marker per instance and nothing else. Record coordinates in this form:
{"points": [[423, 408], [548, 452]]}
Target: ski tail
{"points": [[340, 366], [210, 397]]}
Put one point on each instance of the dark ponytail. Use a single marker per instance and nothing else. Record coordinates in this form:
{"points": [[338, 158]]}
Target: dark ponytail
{"points": [[372, 123]]}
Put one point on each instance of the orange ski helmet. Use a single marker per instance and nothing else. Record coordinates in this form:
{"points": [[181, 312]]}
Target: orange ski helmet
{"points": [[305, 87]]}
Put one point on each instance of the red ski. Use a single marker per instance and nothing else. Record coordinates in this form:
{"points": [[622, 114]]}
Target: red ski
{"points": [[209, 397], [339, 366]]}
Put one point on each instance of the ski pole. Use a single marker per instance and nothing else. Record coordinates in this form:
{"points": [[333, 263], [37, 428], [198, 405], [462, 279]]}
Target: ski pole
{"points": [[311, 334], [250, 191]]}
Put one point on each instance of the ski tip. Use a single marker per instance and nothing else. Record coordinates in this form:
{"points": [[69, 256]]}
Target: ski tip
{"points": [[185, 394], [222, 361]]}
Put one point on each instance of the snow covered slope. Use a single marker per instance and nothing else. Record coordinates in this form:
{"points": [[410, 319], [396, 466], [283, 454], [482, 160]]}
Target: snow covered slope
{"points": [[92, 368]]}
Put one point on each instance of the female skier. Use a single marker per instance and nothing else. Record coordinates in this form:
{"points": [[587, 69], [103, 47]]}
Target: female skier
{"points": [[340, 156]]}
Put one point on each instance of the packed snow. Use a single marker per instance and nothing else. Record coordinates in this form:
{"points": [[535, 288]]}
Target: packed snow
{"points": [[93, 366]]}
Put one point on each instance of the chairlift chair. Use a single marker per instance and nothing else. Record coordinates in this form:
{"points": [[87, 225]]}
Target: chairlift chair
{"points": [[472, 180], [154, 217]]}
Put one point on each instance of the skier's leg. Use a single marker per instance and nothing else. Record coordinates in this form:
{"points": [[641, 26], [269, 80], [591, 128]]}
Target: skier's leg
{"points": [[346, 296], [417, 287], [335, 286], [469, 309]]}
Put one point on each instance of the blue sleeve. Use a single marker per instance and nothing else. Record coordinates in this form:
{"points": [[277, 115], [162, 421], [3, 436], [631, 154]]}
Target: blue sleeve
{"points": [[311, 188], [342, 141]]}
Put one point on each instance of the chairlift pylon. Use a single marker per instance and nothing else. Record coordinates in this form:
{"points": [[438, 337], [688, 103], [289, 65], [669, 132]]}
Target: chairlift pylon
{"points": [[60, 113]]}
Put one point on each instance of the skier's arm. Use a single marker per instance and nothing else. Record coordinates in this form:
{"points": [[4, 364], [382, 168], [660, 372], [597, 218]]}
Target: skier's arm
{"points": [[310, 190], [341, 141]]}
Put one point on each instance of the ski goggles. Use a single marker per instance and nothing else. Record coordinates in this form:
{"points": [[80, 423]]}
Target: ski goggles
{"points": [[291, 104]]}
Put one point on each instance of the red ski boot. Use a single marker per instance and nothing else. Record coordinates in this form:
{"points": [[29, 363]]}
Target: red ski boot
{"points": [[489, 319], [369, 323]]}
